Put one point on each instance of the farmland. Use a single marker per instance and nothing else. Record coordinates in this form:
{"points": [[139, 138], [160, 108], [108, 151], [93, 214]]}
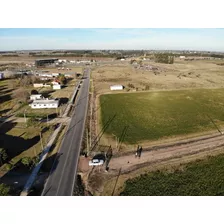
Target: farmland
{"points": [[161, 114], [204, 178]]}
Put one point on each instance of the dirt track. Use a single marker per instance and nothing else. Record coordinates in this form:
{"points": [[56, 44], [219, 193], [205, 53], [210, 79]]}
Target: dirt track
{"points": [[162, 153]]}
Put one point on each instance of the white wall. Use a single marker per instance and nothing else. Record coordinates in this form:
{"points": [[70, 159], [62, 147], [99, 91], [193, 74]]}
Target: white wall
{"points": [[39, 106], [116, 87], [35, 97], [56, 86]]}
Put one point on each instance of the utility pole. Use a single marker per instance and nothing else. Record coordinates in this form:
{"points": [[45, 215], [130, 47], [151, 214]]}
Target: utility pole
{"points": [[117, 140], [91, 114], [25, 117], [87, 142], [47, 119]]}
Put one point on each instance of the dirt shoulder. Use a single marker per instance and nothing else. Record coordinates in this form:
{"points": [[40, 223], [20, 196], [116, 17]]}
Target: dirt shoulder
{"points": [[128, 166]]}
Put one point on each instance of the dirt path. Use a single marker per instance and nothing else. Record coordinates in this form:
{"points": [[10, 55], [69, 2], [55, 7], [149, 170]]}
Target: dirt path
{"points": [[153, 155]]}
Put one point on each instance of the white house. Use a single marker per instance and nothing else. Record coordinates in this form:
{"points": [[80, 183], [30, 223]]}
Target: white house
{"points": [[116, 87], [55, 74], [38, 85], [57, 86], [182, 57], [45, 103], [36, 96]]}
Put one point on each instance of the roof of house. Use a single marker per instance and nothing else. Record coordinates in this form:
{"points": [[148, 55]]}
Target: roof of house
{"points": [[36, 95], [116, 86], [45, 101]]}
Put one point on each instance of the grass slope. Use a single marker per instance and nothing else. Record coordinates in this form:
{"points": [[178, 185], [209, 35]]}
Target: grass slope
{"points": [[153, 115], [203, 178]]}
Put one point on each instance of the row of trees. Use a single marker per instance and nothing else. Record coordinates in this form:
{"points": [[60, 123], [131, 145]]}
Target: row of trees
{"points": [[26, 161], [164, 58]]}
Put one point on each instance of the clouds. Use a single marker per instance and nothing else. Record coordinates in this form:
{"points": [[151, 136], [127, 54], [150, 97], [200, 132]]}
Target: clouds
{"points": [[27, 39]]}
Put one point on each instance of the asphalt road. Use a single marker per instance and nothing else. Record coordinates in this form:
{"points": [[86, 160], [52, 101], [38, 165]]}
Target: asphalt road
{"points": [[62, 177]]}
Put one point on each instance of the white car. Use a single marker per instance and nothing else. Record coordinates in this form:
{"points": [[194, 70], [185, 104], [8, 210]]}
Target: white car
{"points": [[96, 162]]}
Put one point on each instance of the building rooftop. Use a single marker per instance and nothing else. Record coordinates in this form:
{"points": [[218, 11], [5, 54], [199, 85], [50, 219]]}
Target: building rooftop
{"points": [[45, 101]]}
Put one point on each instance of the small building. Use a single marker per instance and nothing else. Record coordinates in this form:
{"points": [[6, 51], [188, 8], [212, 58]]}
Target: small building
{"points": [[57, 86], [116, 87], [36, 97], [38, 85], [44, 103], [182, 57]]}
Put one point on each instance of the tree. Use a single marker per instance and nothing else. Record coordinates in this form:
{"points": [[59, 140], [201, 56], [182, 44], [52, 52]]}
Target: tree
{"points": [[21, 95], [34, 91], [4, 190], [26, 161], [62, 79], [30, 162], [164, 58], [25, 81], [3, 155]]}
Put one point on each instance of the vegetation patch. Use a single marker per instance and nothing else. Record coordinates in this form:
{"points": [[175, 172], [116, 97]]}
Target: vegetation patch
{"points": [[201, 178], [154, 115]]}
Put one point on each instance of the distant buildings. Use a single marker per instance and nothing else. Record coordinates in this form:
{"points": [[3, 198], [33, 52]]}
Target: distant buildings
{"points": [[44, 62], [116, 87], [53, 75]]}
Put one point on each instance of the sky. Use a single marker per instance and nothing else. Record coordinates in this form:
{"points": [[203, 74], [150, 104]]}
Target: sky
{"points": [[112, 38]]}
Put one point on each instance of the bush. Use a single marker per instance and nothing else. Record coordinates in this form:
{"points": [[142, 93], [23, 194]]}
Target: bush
{"points": [[130, 85], [4, 190], [147, 87]]}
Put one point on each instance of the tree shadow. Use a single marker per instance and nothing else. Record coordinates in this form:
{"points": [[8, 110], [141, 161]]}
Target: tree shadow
{"points": [[63, 100], [47, 93], [5, 98], [4, 111], [14, 145], [49, 166]]}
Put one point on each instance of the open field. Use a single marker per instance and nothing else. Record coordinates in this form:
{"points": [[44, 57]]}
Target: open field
{"points": [[155, 115], [191, 180], [180, 75]]}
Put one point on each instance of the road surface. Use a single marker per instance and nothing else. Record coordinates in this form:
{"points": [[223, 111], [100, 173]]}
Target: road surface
{"points": [[62, 177]]}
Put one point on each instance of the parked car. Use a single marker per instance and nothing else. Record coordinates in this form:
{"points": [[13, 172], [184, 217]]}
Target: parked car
{"points": [[96, 162]]}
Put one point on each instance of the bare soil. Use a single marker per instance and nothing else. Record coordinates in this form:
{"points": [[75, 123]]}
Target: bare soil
{"points": [[151, 159]]}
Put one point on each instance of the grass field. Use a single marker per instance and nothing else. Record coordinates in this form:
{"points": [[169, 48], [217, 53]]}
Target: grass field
{"points": [[154, 115], [196, 178]]}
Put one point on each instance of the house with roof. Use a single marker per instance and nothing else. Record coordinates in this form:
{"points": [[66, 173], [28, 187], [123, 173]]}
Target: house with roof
{"points": [[44, 103]]}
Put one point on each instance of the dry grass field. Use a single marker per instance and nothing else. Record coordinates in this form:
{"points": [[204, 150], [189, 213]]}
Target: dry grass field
{"points": [[180, 75]]}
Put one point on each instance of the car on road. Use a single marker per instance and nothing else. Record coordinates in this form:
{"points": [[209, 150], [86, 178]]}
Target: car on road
{"points": [[96, 162]]}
